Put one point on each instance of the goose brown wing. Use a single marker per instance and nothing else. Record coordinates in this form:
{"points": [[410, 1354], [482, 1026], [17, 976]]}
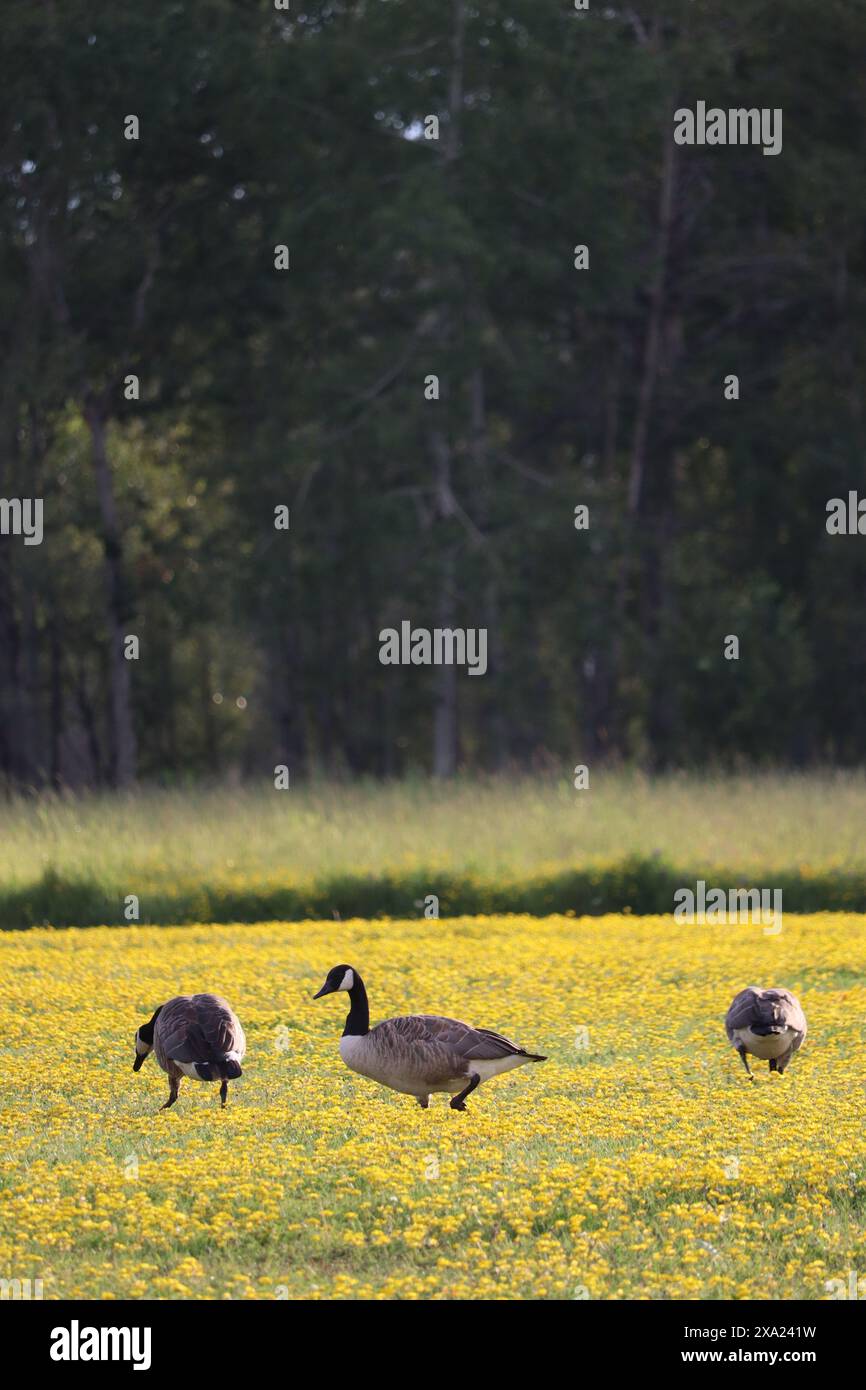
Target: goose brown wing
{"points": [[789, 1009], [199, 1028], [471, 1044], [744, 1011]]}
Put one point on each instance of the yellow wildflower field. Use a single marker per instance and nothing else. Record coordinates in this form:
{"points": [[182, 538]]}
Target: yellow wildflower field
{"points": [[638, 1162]]}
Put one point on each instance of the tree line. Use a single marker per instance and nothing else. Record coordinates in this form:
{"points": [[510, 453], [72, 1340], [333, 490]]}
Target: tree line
{"points": [[491, 390]]}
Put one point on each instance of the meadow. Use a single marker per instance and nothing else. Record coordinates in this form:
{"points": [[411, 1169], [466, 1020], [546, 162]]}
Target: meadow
{"points": [[496, 845], [637, 1162]]}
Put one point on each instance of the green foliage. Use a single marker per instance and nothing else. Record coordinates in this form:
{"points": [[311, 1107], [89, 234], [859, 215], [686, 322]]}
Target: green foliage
{"points": [[305, 389]]}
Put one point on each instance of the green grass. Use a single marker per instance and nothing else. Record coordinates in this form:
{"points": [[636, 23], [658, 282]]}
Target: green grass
{"points": [[609, 1167], [497, 845]]}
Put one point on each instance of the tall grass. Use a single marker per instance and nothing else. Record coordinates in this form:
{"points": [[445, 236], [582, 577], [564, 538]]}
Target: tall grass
{"points": [[363, 847]]}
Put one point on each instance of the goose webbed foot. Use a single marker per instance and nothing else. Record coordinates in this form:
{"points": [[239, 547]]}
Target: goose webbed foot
{"points": [[224, 1093], [423, 1101], [457, 1102]]}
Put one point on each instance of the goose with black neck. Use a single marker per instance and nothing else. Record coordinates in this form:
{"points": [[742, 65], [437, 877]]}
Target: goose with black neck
{"points": [[420, 1054]]}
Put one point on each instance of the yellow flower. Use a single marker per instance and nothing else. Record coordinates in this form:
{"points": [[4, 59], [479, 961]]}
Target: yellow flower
{"points": [[637, 1162]]}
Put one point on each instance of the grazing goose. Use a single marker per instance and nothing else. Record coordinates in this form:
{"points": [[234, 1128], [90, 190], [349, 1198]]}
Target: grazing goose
{"points": [[195, 1035], [769, 1023], [419, 1053]]}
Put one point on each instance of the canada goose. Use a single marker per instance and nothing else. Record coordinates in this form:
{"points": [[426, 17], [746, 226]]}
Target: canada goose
{"points": [[769, 1023], [419, 1053], [195, 1035]]}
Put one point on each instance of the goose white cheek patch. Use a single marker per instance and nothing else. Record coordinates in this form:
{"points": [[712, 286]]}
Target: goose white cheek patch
{"points": [[348, 980]]}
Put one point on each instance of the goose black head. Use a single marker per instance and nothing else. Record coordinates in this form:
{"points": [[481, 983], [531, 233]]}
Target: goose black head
{"points": [[341, 977], [144, 1041]]}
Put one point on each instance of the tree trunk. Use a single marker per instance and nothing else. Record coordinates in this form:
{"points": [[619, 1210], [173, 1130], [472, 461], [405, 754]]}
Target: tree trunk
{"points": [[445, 710], [123, 746], [445, 718], [496, 727], [210, 738], [652, 345], [14, 725], [56, 657], [88, 719], [646, 394], [16, 743]]}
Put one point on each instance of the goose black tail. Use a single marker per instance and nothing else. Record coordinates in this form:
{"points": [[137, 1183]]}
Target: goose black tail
{"points": [[222, 1069], [535, 1057]]}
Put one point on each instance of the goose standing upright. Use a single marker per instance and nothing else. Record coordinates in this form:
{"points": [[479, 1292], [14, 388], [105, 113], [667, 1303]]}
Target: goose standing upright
{"points": [[194, 1035], [769, 1023], [418, 1054]]}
